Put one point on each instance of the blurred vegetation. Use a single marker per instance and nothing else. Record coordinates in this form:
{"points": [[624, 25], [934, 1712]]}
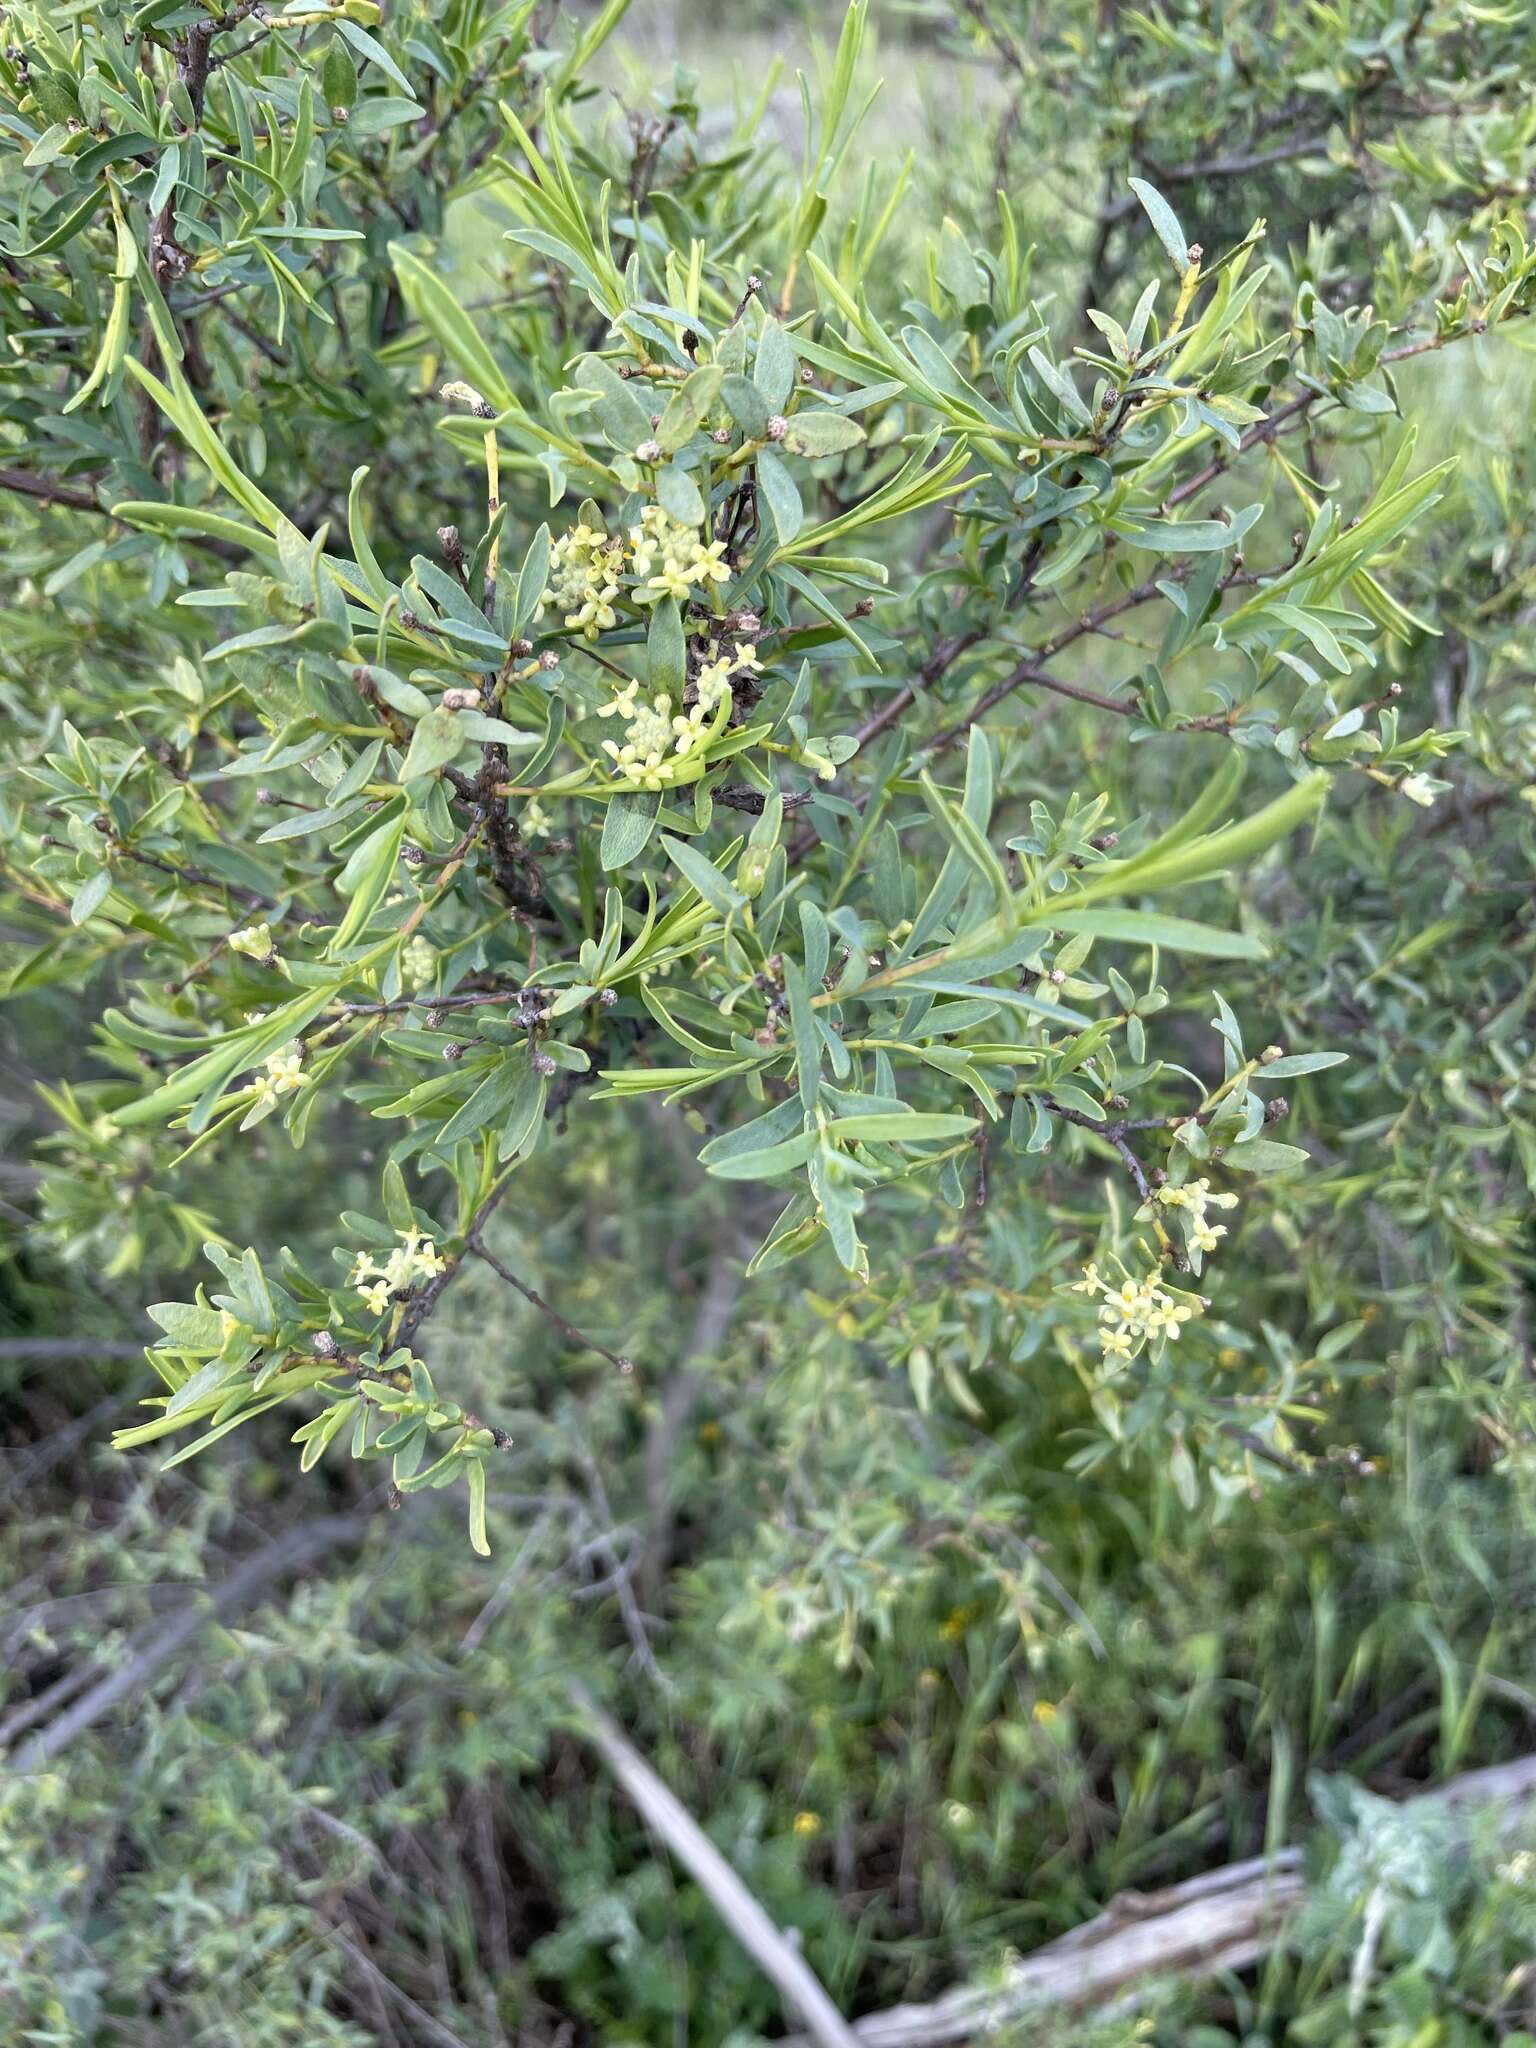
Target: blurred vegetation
{"points": [[943, 1640]]}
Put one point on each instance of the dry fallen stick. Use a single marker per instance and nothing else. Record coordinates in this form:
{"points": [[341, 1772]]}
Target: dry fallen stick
{"points": [[1222, 1921], [805, 1998]]}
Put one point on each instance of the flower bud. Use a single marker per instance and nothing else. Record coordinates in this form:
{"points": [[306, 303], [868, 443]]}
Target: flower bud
{"points": [[778, 427], [459, 393], [254, 941]]}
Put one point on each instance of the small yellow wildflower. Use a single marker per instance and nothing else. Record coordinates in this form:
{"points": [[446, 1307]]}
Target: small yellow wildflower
{"points": [[1135, 1312], [583, 580], [1193, 1199], [670, 580], [285, 1067], [416, 1258]]}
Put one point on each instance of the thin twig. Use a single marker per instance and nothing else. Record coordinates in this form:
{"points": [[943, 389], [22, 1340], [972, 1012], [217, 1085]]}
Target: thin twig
{"points": [[1113, 1135], [578, 1337]]}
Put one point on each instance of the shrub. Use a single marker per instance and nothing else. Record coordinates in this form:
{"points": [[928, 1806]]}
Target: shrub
{"points": [[597, 718], [687, 794]]}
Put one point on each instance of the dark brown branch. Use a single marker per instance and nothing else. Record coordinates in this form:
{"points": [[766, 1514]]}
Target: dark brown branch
{"points": [[423, 1305], [1113, 1135], [195, 877], [942, 656], [49, 490], [1016, 678], [1238, 166]]}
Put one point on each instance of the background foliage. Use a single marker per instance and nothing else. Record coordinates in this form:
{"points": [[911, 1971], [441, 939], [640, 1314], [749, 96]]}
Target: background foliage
{"points": [[946, 1620]]}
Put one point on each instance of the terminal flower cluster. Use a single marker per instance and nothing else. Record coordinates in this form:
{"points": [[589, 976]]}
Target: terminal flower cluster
{"points": [[1134, 1313], [416, 1258], [655, 736], [662, 557], [688, 562], [1193, 1200], [585, 566], [282, 1072], [713, 685]]}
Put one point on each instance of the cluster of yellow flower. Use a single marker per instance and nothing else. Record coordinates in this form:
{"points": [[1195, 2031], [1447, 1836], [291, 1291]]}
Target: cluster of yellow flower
{"points": [[657, 738], [586, 565], [1136, 1312], [283, 1072], [1194, 1198], [714, 678], [687, 560], [415, 1258]]}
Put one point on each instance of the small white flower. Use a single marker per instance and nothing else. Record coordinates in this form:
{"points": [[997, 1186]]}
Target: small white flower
{"points": [[285, 1068]]}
